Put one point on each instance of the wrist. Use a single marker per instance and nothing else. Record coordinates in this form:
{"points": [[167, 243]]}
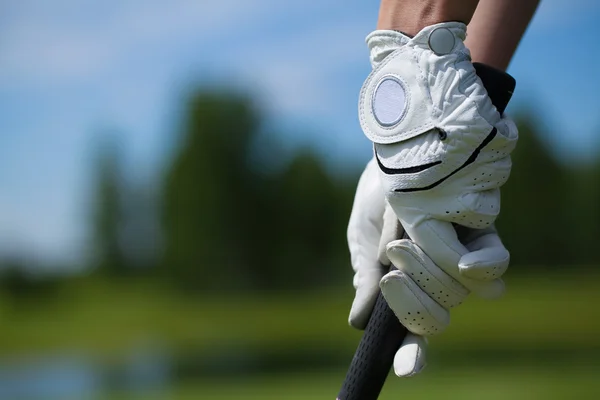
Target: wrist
{"points": [[410, 17], [449, 39]]}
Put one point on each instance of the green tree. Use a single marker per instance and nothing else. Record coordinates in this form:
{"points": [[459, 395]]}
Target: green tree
{"points": [[108, 216], [313, 213], [208, 193], [533, 219], [581, 230], [230, 225]]}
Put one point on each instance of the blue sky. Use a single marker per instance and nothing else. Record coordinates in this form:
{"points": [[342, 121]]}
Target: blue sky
{"points": [[69, 68]]}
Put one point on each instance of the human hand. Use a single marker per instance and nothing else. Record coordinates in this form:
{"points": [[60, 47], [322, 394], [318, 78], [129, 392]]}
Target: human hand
{"points": [[442, 152]]}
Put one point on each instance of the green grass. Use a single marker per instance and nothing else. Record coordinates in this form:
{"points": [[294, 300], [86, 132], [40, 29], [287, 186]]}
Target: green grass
{"points": [[492, 350], [474, 383], [541, 311]]}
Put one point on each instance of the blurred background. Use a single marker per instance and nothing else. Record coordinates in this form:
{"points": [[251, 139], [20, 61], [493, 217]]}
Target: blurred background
{"points": [[175, 183]]}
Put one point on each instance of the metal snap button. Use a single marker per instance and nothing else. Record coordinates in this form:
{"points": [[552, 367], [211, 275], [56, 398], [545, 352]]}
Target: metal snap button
{"points": [[441, 41]]}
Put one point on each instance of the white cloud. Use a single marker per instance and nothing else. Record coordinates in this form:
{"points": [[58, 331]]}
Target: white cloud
{"points": [[74, 40]]}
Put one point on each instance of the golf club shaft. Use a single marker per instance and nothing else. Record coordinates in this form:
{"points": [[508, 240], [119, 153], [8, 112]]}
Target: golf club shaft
{"points": [[375, 354]]}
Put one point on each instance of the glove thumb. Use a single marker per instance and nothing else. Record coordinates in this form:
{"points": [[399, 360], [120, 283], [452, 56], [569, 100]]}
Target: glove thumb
{"points": [[366, 282]]}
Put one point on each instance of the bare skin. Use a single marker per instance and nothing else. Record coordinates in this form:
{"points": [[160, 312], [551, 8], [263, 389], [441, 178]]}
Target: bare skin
{"points": [[410, 16], [495, 27]]}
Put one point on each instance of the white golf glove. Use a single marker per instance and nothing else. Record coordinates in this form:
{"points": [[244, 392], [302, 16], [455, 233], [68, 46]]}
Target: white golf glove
{"points": [[441, 154]]}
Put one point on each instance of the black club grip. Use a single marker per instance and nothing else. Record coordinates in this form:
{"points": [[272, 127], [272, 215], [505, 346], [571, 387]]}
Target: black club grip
{"points": [[384, 333], [375, 354]]}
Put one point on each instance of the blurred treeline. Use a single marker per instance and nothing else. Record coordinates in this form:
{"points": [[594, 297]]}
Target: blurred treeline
{"points": [[222, 217]]}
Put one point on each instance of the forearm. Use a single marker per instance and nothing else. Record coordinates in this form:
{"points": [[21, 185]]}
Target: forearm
{"points": [[410, 16], [496, 30], [495, 27]]}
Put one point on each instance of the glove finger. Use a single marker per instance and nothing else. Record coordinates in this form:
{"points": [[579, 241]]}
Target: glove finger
{"points": [[418, 312], [410, 359], [438, 239], [481, 208], [366, 219], [364, 233], [440, 286], [488, 259], [366, 282]]}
